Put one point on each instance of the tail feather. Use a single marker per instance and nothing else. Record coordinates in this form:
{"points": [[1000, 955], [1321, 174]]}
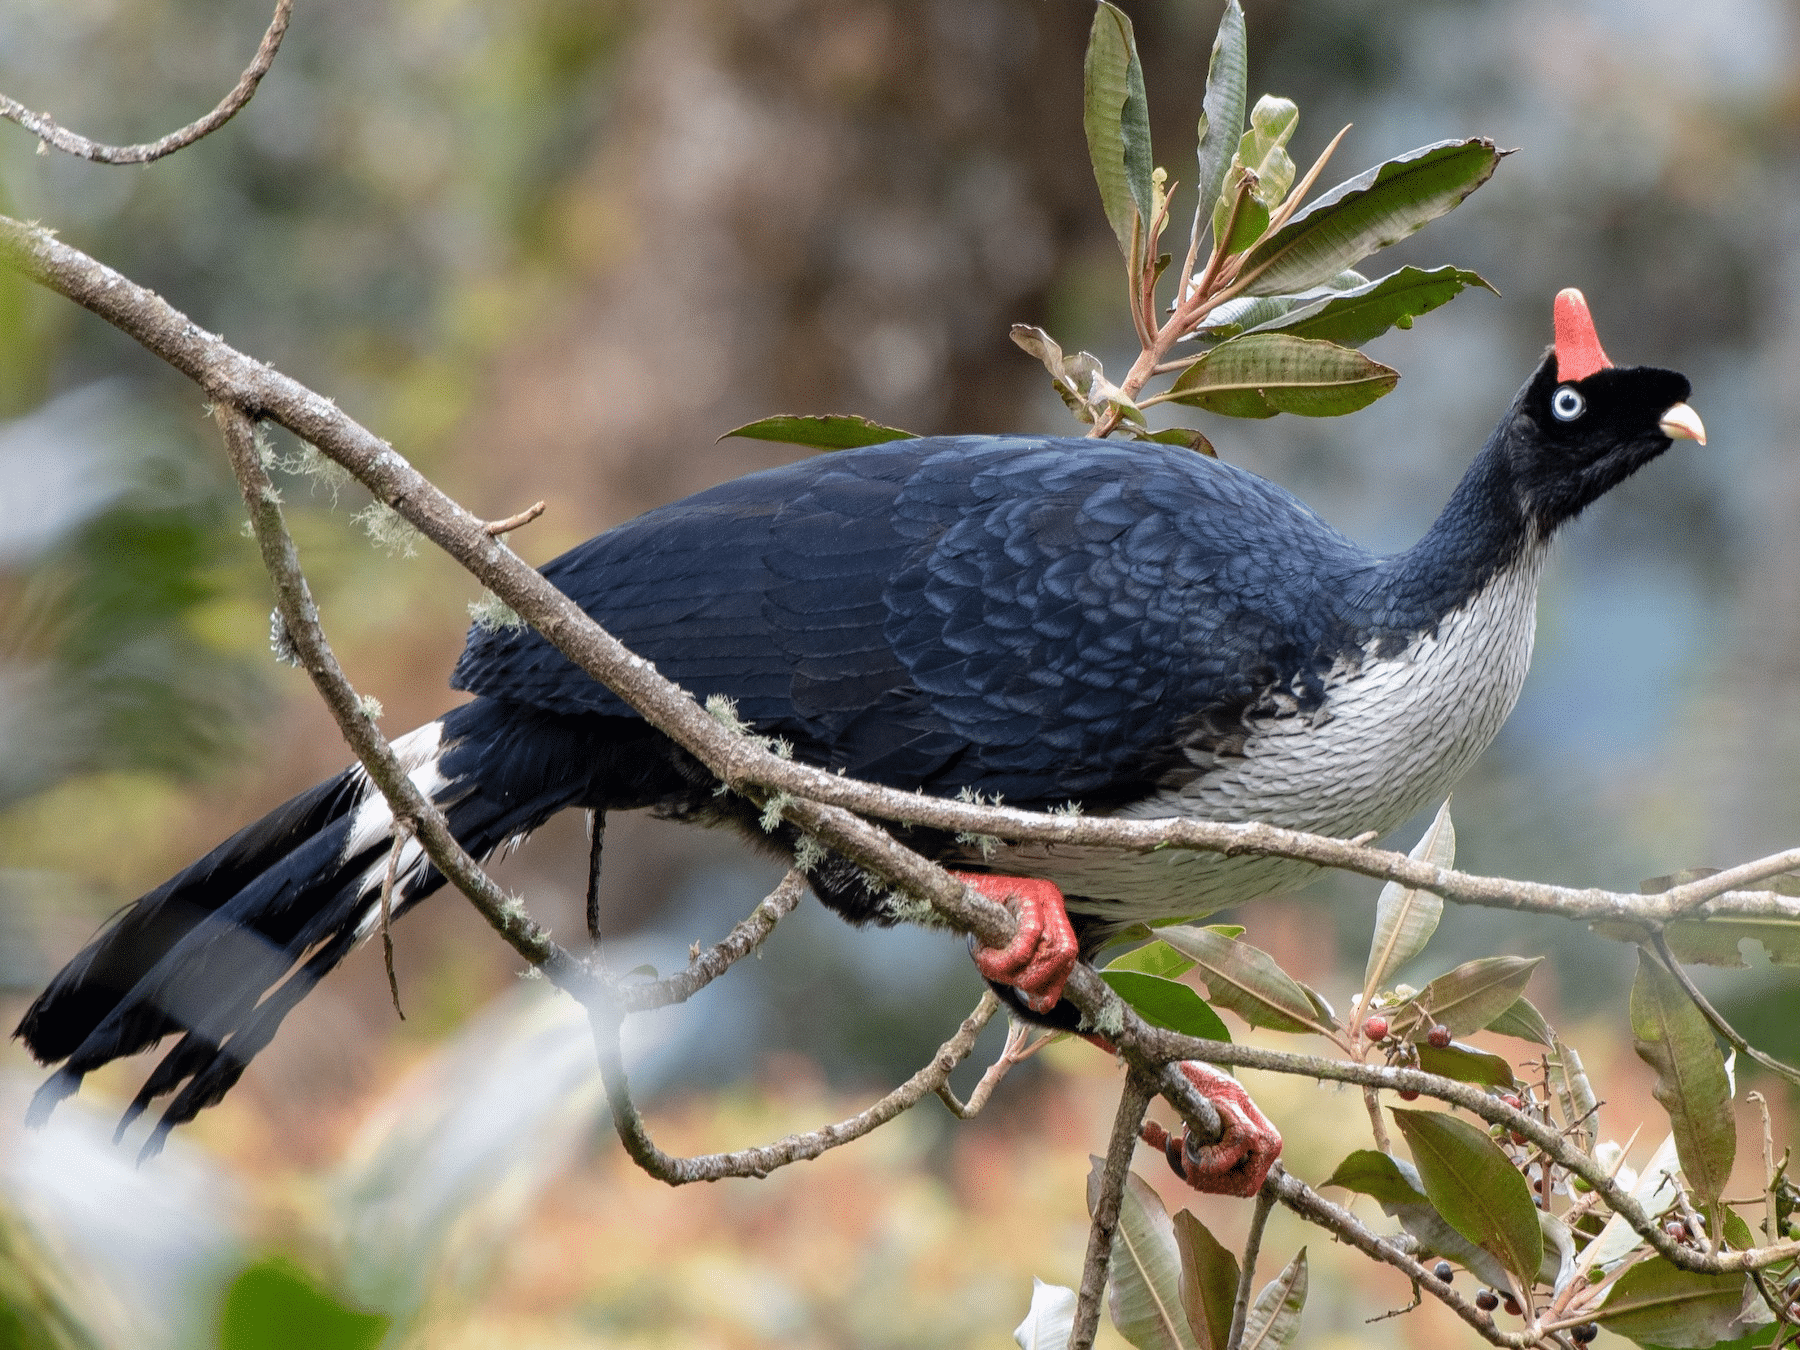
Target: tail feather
{"points": [[222, 952]]}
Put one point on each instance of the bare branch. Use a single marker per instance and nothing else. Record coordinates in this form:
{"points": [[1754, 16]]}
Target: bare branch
{"points": [[1015, 1051], [1240, 1306], [745, 938], [1315, 1208], [496, 528], [1715, 1018], [1133, 1101], [403, 833], [44, 127], [759, 1162]]}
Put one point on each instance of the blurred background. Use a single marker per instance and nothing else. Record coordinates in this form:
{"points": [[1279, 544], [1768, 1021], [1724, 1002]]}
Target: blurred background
{"points": [[552, 249]]}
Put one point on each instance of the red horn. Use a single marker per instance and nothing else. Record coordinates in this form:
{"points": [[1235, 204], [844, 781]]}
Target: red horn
{"points": [[1578, 350]]}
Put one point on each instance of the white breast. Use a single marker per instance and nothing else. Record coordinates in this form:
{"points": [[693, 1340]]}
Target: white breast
{"points": [[1393, 734]]}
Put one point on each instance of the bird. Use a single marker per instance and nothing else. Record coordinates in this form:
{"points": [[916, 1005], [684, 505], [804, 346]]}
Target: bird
{"points": [[1126, 628]]}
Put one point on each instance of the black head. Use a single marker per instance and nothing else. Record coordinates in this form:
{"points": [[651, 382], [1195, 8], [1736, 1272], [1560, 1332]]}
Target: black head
{"points": [[1582, 425]]}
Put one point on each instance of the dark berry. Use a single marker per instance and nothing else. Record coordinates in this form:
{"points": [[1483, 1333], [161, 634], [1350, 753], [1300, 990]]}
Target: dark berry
{"points": [[1487, 1300], [1444, 1271], [1676, 1229], [1438, 1036], [1584, 1333], [1376, 1028], [1408, 1095], [1512, 1306]]}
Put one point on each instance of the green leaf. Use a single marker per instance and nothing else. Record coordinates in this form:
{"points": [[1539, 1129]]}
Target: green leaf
{"points": [[1145, 1272], [1377, 1175], [1155, 958], [1466, 1064], [1051, 1320], [1261, 374], [1260, 311], [1186, 437], [1274, 1319], [1367, 213], [1356, 316], [1245, 979], [1209, 1280], [829, 431], [1717, 942], [1405, 919], [1167, 1003], [1672, 1037], [1116, 115], [1474, 994], [1262, 151], [1222, 110], [1475, 1186], [1523, 1021], [1655, 1303], [274, 1305]]}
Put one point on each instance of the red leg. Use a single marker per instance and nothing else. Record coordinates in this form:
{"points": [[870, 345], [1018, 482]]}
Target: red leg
{"points": [[1042, 954], [1240, 1161]]}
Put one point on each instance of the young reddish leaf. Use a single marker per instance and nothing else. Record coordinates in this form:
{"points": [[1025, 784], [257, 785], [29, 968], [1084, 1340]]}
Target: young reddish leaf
{"points": [[1274, 1319], [1475, 1186], [1167, 1003], [1262, 374], [829, 431], [1379, 207], [1246, 980], [1672, 1036], [1209, 1280]]}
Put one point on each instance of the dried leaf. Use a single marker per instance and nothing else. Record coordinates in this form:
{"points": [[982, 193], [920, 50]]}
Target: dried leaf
{"points": [[1245, 979], [1274, 1319], [1405, 918], [1144, 1290], [1209, 1280]]}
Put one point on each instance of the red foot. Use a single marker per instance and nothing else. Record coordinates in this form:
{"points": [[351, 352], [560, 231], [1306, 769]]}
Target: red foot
{"points": [[1240, 1161], [1043, 952]]}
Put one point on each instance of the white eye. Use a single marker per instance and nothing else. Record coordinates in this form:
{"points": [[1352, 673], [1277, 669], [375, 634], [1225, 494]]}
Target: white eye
{"points": [[1567, 404]]}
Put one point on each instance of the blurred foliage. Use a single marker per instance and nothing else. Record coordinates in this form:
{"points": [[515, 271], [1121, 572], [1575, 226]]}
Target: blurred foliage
{"points": [[274, 1305], [553, 248]]}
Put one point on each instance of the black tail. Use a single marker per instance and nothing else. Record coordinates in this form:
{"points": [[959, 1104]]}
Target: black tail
{"points": [[223, 951]]}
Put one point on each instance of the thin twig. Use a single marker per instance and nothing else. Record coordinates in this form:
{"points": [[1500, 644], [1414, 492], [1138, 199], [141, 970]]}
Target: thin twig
{"points": [[1717, 1019], [1018, 1048], [403, 833], [1134, 1099], [759, 1162], [1240, 1306], [1315, 1208], [496, 528], [744, 938], [1285, 212], [44, 127], [1768, 1152], [1377, 1126]]}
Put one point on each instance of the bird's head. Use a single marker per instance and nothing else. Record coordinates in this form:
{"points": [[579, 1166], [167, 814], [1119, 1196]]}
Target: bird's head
{"points": [[1583, 425]]}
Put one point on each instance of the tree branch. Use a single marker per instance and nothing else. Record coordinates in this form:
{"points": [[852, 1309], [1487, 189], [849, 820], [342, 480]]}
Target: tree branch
{"points": [[1240, 1306], [1315, 1208], [44, 127], [759, 1162], [745, 938], [1134, 1100]]}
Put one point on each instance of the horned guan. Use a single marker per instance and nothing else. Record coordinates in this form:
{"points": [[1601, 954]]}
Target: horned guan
{"points": [[1131, 627]]}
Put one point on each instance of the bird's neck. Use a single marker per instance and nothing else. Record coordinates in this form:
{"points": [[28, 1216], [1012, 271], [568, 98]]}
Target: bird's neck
{"points": [[1482, 531]]}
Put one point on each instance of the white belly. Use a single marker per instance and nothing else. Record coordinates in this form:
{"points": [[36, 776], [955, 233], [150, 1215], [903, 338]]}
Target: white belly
{"points": [[1392, 737]]}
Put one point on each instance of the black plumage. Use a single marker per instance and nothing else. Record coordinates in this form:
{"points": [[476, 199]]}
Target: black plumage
{"points": [[1126, 626]]}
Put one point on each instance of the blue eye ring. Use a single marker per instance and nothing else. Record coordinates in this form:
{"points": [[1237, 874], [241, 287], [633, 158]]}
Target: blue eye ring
{"points": [[1566, 404]]}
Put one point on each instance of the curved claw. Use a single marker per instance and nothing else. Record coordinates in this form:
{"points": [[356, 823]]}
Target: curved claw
{"points": [[1239, 1162], [1042, 954]]}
